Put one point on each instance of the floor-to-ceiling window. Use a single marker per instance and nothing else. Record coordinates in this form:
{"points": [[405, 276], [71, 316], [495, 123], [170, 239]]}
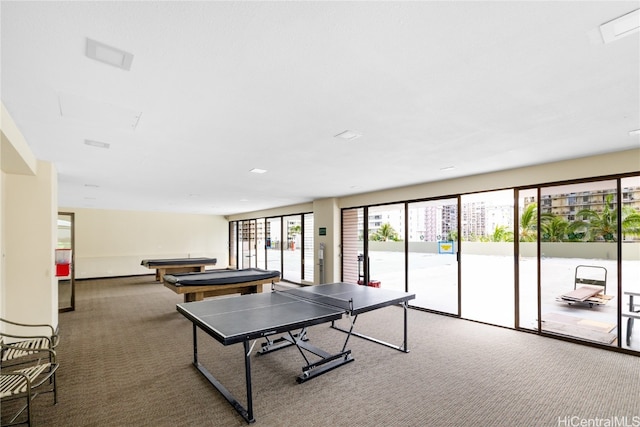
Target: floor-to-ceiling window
{"points": [[274, 244], [233, 244], [528, 258], [283, 243], [292, 253], [567, 238], [579, 260], [386, 246], [242, 243], [630, 296], [261, 253], [432, 254], [487, 263], [246, 249]]}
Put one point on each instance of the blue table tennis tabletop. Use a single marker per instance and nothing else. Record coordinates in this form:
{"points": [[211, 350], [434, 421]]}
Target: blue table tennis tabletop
{"points": [[244, 318]]}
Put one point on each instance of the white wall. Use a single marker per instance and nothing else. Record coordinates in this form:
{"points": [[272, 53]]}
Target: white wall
{"points": [[28, 204], [30, 233], [111, 243]]}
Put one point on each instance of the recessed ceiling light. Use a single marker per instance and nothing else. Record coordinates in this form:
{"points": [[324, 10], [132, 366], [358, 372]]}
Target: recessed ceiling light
{"points": [[621, 27], [634, 132], [448, 168], [244, 200], [92, 185], [109, 55], [97, 144], [349, 135], [257, 170]]}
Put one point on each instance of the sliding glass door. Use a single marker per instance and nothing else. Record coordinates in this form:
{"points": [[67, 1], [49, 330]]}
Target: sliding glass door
{"points": [[578, 261], [433, 254], [247, 240], [273, 244], [487, 262], [386, 246], [261, 252], [528, 259], [292, 252], [630, 296], [233, 244]]}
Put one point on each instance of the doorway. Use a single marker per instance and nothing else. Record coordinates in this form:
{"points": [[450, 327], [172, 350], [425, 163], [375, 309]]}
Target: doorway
{"points": [[65, 271]]}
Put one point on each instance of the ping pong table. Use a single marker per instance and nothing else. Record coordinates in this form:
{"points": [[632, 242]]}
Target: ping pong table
{"points": [[246, 318]]}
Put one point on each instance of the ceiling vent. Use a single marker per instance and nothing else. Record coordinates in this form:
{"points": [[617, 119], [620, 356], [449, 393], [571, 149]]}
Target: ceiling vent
{"points": [[109, 55], [621, 27], [348, 135]]}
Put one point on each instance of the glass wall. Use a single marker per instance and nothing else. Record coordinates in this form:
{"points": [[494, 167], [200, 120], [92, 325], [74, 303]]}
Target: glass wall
{"points": [[233, 244], [261, 252], [487, 262], [292, 253], [386, 246], [579, 261], [528, 259], [249, 243], [576, 274], [274, 244], [630, 303], [433, 254], [284, 244]]}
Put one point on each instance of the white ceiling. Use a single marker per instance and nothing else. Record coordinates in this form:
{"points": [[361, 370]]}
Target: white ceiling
{"points": [[225, 87]]}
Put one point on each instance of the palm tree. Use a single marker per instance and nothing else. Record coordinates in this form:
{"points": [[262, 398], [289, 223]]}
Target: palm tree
{"points": [[599, 225], [553, 228], [604, 225], [630, 222], [528, 223], [384, 233], [502, 234]]}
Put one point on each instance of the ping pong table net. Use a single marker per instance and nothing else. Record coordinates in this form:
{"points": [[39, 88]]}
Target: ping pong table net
{"points": [[327, 300]]}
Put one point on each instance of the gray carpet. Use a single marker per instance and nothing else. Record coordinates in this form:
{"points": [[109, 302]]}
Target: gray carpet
{"points": [[126, 361]]}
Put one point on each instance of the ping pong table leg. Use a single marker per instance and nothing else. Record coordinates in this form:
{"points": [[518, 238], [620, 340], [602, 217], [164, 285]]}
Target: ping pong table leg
{"points": [[403, 348], [247, 370], [405, 306], [195, 345], [246, 413]]}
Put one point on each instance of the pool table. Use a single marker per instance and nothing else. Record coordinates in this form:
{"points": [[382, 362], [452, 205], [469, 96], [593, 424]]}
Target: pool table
{"points": [[197, 286], [177, 265]]}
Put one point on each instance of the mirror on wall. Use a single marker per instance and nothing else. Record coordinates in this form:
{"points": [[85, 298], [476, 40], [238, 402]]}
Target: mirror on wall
{"points": [[64, 267]]}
